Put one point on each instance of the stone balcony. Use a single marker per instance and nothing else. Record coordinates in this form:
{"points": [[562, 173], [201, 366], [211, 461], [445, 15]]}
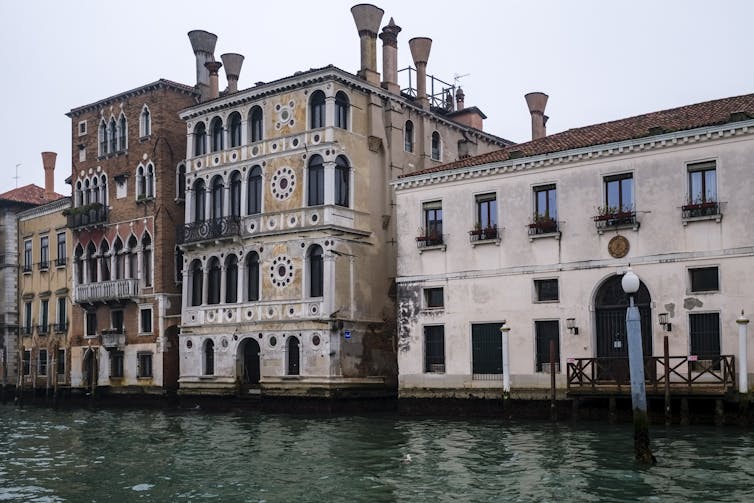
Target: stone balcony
{"points": [[113, 338], [253, 312], [105, 291], [306, 218]]}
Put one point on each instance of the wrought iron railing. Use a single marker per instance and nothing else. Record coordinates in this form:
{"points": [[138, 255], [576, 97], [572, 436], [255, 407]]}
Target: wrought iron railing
{"points": [[616, 219], [60, 328], [215, 228], [86, 216], [485, 234], [706, 209], [43, 329], [44, 265], [543, 225]]}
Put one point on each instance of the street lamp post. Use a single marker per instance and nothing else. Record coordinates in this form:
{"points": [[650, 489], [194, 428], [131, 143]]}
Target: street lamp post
{"points": [[504, 330], [630, 284]]}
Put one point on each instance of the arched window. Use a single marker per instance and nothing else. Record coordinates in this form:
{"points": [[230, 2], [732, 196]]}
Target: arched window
{"points": [[146, 255], [87, 192], [217, 197], [122, 133], [231, 279], [78, 255], [181, 182], [342, 179], [178, 264], [408, 136], [252, 276], [150, 180], [209, 357], [254, 191], [102, 138], [91, 262], [316, 181], [197, 277], [436, 146], [317, 110], [235, 129], [145, 122], [294, 358], [112, 133], [255, 124], [103, 189], [79, 201], [95, 190], [200, 139], [342, 108], [217, 134], [120, 259], [235, 194], [104, 261], [316, 271], [200, 198], [214, 277], [133, 258], [141, 182]]}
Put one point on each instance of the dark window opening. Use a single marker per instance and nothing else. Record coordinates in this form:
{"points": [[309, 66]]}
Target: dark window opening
{"points": [[434, 298], [546, 332], [704, 279], [434, 349], [547, 290]]}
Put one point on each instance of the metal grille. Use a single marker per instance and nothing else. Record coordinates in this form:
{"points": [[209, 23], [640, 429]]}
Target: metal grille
{"points": [[705, 340], [486, 351], [434, 349]]}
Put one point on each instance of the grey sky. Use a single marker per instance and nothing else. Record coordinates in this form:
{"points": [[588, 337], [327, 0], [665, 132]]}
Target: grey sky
{"points": [[598, 60]]}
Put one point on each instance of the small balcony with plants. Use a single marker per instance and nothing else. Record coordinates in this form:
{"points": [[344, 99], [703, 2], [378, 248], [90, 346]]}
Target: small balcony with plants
{"points": [[88, 215], [486, 234], [543, 226], [701, 209], [429, 240], [614, 217]]}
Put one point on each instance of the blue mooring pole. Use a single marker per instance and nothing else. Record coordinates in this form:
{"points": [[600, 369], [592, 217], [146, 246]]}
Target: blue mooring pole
{"points": [[636, 365]]}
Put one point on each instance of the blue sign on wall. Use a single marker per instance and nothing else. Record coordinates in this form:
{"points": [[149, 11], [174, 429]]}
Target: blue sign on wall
{"points": [[347, 334]]}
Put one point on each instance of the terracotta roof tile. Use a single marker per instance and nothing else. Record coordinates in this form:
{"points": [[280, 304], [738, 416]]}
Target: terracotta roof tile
{"points": [[709, 113], [28, 194]]}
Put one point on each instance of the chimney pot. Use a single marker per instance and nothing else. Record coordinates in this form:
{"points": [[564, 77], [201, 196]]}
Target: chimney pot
{"points": [[232, 63], [389, 38], [203, 45], [367, 18], [536, 102], [214, 87], [420, 47], [48, 163]]}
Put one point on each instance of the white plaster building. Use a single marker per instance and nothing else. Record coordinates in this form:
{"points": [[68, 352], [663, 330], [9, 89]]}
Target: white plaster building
{"points": [[539, 233], [288, 246]]}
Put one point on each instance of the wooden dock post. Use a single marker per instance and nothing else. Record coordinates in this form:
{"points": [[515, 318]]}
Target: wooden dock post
{"points": [[685, 411], [553, 404], [666, 361]]}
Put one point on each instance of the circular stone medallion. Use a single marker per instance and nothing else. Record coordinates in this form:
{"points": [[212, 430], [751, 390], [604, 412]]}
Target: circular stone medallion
{"points": [[618, 247]]}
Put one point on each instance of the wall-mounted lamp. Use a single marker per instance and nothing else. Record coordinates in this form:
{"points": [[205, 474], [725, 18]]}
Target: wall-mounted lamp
{"points": [[571, 326], [664, 322]]}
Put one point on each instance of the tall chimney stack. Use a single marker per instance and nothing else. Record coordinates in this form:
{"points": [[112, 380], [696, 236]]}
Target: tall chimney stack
{"points": [[232, 63], [214, 85], [48, 163], [537, 102], [389, 38], [368, 18], [203, 44], [420, 47]]}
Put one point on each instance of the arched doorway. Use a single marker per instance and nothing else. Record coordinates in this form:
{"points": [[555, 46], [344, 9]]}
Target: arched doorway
{"points": [[294, 358], [610, 305], [88, 368], [250, 362]]}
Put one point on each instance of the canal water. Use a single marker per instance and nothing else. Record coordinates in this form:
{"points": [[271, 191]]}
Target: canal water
{"points": [[156, 455]]}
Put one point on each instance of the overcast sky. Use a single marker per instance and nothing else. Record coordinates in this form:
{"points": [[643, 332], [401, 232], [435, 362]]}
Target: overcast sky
{"points": [[598, 60]]}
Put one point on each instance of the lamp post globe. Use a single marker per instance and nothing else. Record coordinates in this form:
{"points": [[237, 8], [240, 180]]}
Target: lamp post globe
{"points": [[630, 282]]}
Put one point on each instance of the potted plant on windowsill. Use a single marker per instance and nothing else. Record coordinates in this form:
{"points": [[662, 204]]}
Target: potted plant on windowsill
{"points": [[613, 215], [431, 239], [701, 207], [543, 224]]}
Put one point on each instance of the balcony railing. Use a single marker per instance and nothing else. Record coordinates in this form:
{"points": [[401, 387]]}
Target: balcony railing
{"points": [[209, 229], [43, 329], [44, 265], [486, 234], [543, 225], [60, 328], [615, 219], [27, 330], [60, 261], [705, 209], [86, 216], [107, 290], [26, 267], [430, 240], [113, 337]]}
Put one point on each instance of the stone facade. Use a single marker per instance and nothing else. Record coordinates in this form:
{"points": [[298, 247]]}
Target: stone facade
{"points": [[127, 154]]}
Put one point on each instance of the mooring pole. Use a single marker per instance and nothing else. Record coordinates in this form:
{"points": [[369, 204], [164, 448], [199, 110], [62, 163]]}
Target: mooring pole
{"points": [[642, 452], [666, 361], [743, 371], [504, 331], [553, 406]]}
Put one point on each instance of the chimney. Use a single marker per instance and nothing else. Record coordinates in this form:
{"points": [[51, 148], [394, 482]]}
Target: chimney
{"points": [[203, 44], [48, 163], [214, 85], [368, 18], [420, 47], [389, 38], [460, 96], [537, 102], [232, 63]]}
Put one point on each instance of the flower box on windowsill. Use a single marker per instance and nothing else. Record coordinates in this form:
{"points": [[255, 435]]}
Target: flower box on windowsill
{"points": [[484, 236], [708, 210], [616, 220], [542, 227], [431, 241]]}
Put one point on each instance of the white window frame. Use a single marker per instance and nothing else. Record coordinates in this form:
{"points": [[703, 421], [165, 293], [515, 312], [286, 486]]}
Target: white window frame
{"points": [[142, 309]]}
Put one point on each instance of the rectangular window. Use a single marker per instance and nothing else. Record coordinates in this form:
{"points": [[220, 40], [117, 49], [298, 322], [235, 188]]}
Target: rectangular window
{"points": [[27, 256], [704, 332], [61, 316], [546, 332], [486, 211], [91, 323], [60, 260], [146, 320], [82, 128], [434, 298], [27, 318], [486, 350], [60, 364], [704, 279], [546, 290], [619, 193], [432, 223], [116, 364], [434, 349], [545, 202], [44, 320], [44, 252], [116, 321], [144, 365], [702, 182], [27, 362], [42, 362]]}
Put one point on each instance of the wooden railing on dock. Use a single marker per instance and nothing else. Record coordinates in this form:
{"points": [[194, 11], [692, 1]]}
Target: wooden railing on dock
{"points": [[685, 375]]}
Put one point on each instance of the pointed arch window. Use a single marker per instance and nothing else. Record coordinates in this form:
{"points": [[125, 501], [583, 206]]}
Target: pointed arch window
{"points": [[146, 255], [217, 197], [78, 256], [103, 189], [317, 110], [133, 258], [342, 109], [104, 260], [408, 136], [102, 138], [181, 182], [120, 259], [197, 278], [200, 139], [214, 277], [145, 122], [91, 263], [252, 276], [95, 190], [316, 271], [254, 191], [235, 129], [122, 133], [342, 180], [79, 201], [150, 180], [112, 133], [141, 182], [217, 134], [235, 194], [436, 146], [231, 279], [255, 124], [200, 197], [209, 357], [316, 181]]}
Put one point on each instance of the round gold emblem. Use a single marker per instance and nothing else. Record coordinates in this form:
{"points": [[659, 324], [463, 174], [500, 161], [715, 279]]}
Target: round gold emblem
{"points": [[618, 247]]}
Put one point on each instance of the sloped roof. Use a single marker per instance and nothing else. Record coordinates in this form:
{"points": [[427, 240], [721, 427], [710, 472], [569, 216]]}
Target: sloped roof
{"points": [[165, 83], [709, 113], [28, 194]]}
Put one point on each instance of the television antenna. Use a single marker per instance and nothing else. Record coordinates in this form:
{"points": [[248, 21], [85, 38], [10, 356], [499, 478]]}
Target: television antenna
{"points": [[457, 78]]}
